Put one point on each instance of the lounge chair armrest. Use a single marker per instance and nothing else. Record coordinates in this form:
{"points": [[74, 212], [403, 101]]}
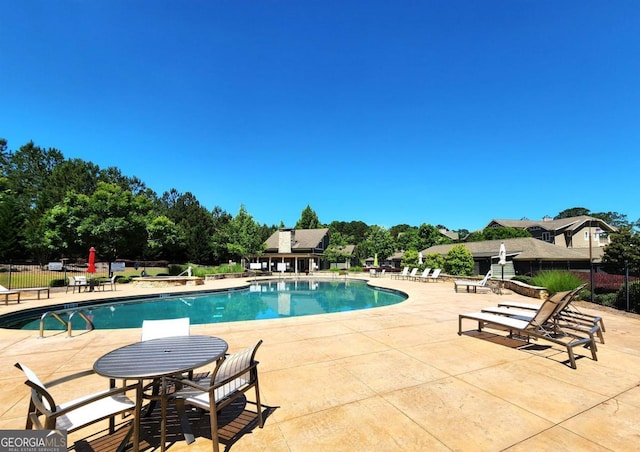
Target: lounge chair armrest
{"points": [[95, 398]]}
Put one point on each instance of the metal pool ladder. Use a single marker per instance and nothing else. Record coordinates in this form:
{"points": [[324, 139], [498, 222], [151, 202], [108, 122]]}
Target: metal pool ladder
{"points": [[72, 311]]}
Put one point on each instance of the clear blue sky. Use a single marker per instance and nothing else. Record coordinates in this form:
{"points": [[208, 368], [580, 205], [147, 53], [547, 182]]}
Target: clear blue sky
{"points": [[388, 112]]}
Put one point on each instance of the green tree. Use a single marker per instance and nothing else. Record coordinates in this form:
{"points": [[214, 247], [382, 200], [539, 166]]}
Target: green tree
{"points": [[409, 239], [615, 219], [501, 233], [624, 248], [433, 260], [335, 251], [164, 239], [410, 258], [111, 220], [197, 227], [458, 261], [378, 241], [572, 212], [308, 219], [431, 236], [353, 232], [244, 236]]}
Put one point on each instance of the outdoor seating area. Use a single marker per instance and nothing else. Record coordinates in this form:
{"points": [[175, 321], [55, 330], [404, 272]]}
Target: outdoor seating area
{"points": [[544, 323], [324, 380]]}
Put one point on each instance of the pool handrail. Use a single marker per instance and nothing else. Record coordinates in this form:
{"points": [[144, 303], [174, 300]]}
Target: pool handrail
{"points": [[67, 324]]}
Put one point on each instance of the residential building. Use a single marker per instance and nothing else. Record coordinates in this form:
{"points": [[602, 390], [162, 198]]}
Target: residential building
{"points": [[573, 232], [294, 250]]}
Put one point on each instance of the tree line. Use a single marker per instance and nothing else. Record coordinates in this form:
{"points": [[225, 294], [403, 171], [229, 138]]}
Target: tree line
{"points": [[52, 207]]}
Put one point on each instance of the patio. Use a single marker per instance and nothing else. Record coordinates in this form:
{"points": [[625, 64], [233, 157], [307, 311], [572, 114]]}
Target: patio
{"points": [[386, 379]]}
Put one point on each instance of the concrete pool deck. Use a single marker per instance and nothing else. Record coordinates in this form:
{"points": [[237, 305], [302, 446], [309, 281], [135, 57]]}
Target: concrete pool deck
{"points": [[386, 379]]}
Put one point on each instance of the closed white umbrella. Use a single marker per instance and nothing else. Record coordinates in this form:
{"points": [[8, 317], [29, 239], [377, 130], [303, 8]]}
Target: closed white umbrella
{"points": [[502, 255]]}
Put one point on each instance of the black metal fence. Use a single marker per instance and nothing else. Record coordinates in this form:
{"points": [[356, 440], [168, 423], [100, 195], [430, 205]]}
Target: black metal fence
{"points": [[21, 275]]}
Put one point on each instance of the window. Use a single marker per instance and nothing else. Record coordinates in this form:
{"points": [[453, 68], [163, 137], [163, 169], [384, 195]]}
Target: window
{"points": [[546, 236]]}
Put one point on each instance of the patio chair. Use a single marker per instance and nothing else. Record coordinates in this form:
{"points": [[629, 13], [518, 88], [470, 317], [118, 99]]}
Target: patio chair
{"points": [[154, 329], [424, 276], [77, 282], [6, 292], [540, 326], [45, 414], [233, 376], [404, 274], [435, 275], [473, 284], [111, 282]]}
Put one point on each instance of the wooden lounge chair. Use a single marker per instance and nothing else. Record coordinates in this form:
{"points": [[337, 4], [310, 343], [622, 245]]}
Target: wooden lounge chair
{"points": [[473, 284], [45, 414], [539, 327], [233, 377]]}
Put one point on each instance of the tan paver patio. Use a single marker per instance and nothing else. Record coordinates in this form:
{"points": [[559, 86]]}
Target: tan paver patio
{"points": [[386, 379]]}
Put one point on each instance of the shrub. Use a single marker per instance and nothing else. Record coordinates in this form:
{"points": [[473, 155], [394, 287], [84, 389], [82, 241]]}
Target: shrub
{"points": [[433, 261], [523, 279], [634, 297], [459, 261], [557, 280]]}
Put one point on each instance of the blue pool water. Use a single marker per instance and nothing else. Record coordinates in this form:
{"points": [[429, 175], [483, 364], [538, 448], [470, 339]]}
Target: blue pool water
{"points": [[265, 300]]}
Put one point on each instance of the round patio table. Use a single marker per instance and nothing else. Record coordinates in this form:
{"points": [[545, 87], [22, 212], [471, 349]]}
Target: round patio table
{"points": [[156, 359]]}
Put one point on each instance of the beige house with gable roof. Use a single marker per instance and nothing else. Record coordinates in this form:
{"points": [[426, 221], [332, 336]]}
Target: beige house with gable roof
{"points": [[573, 232], [294, 250]]}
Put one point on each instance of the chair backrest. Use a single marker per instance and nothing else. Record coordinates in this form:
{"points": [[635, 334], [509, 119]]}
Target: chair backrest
{"points": [[235, 371], [40, 397], [405, 271], [154, 329], [414, 271], [546, 311], [486, 278], [436, 273], [72, 280], [425, 272]]}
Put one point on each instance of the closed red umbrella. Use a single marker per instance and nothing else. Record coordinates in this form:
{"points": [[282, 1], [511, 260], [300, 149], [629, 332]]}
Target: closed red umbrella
{"points": [[92, 260]]}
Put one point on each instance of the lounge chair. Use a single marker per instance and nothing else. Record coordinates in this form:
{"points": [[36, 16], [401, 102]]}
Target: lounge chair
{"points": [[404, 274], [435, 275], [473, 284], [6, 292], [413, 274], [566, 315], [233, 377], [424, 276], [45, 414], [539, 326]]}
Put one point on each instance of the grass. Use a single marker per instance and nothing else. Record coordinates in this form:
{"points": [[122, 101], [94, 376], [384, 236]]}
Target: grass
{"points": [[557, 281]]}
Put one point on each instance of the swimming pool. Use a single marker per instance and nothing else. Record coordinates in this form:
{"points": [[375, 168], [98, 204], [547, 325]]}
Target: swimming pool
{"points": [[263, 300]]}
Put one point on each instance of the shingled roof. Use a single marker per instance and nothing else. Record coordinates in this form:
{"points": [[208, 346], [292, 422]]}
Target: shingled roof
{"points": [[304, 239], [525, 249], [569, 224]]}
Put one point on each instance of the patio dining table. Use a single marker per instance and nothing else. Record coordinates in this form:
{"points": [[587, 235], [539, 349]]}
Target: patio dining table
{"points": [[155, 360]]}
